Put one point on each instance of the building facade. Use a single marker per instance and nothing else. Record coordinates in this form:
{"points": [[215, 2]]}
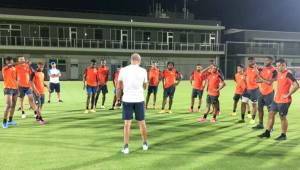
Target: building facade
{"points": [[72, 39]]}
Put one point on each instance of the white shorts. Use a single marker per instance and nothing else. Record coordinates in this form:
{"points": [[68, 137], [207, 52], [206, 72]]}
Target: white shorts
{"points": [[247, 100]]}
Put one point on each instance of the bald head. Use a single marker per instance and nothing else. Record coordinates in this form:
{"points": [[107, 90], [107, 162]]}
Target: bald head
{"points": [[135, 59]]}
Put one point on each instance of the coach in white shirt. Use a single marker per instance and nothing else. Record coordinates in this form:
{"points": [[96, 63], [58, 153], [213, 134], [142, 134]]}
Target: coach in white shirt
{"points": [[133, 80], [54, 85]]}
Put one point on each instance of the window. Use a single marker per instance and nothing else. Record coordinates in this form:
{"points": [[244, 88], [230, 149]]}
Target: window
{"points": [[147, 36], [98, 34], [60, 64], [4, 27], [60, 32], [138, 36], [44, 32], [183, 37]]}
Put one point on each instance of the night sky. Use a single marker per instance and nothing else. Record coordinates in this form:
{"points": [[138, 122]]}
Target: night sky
{"points": [[280, 15]]}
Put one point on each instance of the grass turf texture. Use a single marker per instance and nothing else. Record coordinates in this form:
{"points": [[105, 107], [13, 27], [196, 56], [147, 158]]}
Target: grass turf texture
{"points": [[74, 140]]}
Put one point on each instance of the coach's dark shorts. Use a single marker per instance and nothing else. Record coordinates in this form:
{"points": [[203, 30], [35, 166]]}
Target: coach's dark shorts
{"points": [[282, 108], [103, 89], [197, 93], [54, 87], [212, 99], [24, 91], [10, 92], [169, 92], [253, 95], [39, 99], [265, 100], [237, 97], [136, 108], [152, 89]]}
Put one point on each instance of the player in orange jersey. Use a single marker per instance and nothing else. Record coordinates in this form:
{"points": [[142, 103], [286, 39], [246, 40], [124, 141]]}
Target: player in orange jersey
{"points": [[154, 78], [102, 74], [90, 83]]}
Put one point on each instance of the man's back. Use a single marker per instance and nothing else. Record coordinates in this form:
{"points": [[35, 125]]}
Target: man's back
{"points": [[133, 78]]}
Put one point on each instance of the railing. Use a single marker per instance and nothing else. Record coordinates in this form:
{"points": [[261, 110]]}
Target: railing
{"points": [[108, 44]]}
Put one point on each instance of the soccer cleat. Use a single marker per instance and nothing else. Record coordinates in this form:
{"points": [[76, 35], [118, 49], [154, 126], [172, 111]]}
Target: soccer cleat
{"points": [[202, 120], [191, 110], [19, 109], [49, 101], [4, 125], [258, 126], [252, 122], [125, 150], [102, 107], [169, 111], [241, 121], [145, 147], [93, 111], [11, 123], [111, 108], [249, 116], [23, 116], [41, 122], [281, 137], [264, 135], [233, 114], [213, 120], [162, 111], [86, 111], [60, 101]]}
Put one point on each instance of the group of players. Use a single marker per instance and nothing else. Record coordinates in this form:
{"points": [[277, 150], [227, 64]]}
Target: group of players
{"points": [[254, 87], [22, 78]]}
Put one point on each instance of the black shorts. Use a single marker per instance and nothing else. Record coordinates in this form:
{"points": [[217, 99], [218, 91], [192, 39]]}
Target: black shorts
{"points": [[103, 89], [282, 108], [136, 108], [265, 100], [169, 92], [10, 92], [24, 91], [152, 89], [237, 97], [39, 99], [197, 93], [212, 99], [54, 87], [253, 95]]}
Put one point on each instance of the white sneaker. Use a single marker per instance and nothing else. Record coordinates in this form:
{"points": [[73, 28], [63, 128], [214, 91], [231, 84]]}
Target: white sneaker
{"points": [[102, 107], [23, 116], [145, 147], [93, 111], [125, 150]]}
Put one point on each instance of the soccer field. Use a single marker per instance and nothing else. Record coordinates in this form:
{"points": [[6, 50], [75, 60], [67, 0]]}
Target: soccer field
{"points": [[74, 140]]}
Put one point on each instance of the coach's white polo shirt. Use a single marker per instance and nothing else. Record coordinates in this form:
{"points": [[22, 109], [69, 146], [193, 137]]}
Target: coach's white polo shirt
{"points": [[133, 78], [54, 72]]}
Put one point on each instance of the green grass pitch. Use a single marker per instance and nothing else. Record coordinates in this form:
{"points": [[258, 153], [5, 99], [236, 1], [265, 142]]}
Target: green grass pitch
{"points": [[74, 140]]}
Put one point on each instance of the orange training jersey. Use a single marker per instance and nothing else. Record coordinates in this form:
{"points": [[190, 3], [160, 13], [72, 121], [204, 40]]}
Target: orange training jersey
{"points": [[284, 82], [199, 79], [38, 80], [214, 80], [23, 75], [267, 73], [240, 80], [251, 77], [154, 74], [9, 75], [102, 74], [169, 77], [91, 76]]}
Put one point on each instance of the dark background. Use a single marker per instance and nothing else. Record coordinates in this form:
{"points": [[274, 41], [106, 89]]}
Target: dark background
{"points": [[280, 15]]}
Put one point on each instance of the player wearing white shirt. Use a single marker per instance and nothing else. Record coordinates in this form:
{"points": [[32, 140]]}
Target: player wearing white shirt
{"points": [[133, 81], [54, 85]]}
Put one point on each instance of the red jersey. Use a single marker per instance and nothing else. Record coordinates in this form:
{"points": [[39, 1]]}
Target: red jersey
{"points": [[23, 75], [251, 78], [169, 77], [116, 77], [9, 75], [214, 80], [154, 75], [240, 80], [38, 80], [102, 74], [91, 76], [199, 79], [267, 73], [284, 82]]}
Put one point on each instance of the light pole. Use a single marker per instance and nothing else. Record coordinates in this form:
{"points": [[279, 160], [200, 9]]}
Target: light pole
{"points": [[131, 21]]}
